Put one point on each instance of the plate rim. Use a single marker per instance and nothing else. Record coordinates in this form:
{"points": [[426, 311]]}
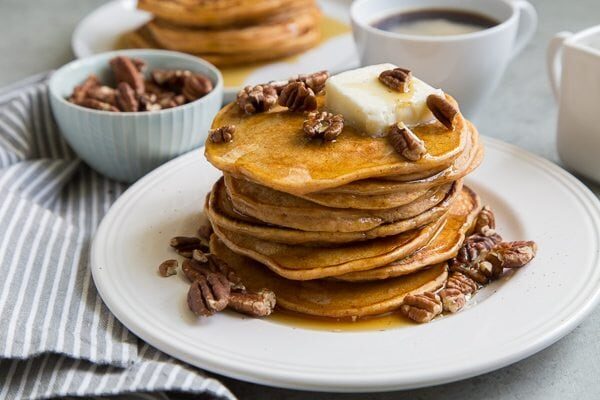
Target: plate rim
{"points": [[384, 382]]}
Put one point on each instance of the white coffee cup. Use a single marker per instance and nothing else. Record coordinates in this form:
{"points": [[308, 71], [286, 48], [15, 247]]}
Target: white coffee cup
{"points": [[467, 66], [574, 71]]}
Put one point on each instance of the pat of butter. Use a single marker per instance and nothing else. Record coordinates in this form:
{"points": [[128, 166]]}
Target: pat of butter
{"points": [[372, 107]]}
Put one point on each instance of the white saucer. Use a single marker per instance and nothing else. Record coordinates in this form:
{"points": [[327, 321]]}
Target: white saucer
{"points": [[513, 318], [93, 35]]}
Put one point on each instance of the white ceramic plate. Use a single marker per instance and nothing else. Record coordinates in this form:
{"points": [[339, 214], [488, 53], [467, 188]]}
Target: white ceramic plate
{"points": [[93, 35], [533, 199]]}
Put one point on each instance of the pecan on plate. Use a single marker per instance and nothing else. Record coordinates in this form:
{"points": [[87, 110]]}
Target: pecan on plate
{"points": [[471, 270], [315, 81], [406, 143], [195, 267], [223, 134], [462, 282], [97, 105], [104, 94], [421, 308], [205, 231], [442, 110], [512, 254], [256, 304], [256, 99], [168, 268], [324, 125], [185, 245], [491, 271], [208, 294], [453, 300], [486, 221], [81, 91], [475, 247], [297, 96], [126, 98], [397, 79], [126, 71], [196, 86]]}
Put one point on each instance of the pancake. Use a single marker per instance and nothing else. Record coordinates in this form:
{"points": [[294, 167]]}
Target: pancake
{"points": [[328, 298], [307, 262], [221, 212], [216, 14], [465, 164], [443, 246], [141, 38], [278, 32], [270, 149], [283, 209]]}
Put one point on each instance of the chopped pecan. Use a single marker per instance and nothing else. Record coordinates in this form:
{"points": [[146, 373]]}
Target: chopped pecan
{"points": [[453, 300], [97, 105], [196, 86], [255, 99], [442, 110], [126, 98], [297, 96], [81, 91], [512, 254], [185, 245], [148, 102], [208, 294], [462, 282], [406, 143], [223, 134], [421, 307], [396, 79], [168, 268], [104, 94], [486, 221], [256, 304], [491, 271], [200, 256], [315, 81], [323, 125], [126, 71]]}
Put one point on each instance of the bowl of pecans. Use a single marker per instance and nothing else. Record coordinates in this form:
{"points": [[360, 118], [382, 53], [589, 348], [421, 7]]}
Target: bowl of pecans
{"points": [[127, 112]]}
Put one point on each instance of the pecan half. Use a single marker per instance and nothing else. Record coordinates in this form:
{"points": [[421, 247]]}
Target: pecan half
{"points": [[512, 254], [193, 268], [491, 271], [421, 308], [185, 245], [168, 268], [453, 300], [223, 134], [486, 221], [81, 91], [256, 304], [460, 281], [125, 70], [297, 96], [397, 79], [476, 246], [126, 98], [148, 102], [196, 86], [442, 110], [208, 294], [104, 94], [205, 231], [97, 105], [324, 125], [472, 271], [406, 143], [315, 81], [255, 99]]}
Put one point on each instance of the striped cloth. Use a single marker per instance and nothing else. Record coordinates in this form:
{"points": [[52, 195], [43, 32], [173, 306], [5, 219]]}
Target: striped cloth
{"points": [[57, 337]]}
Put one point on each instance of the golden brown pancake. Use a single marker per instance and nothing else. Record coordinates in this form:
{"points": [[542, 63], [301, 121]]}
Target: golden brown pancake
{"points": [[221, 212], [327, 298], [441, 248], [270, 149], [217, 13], [279, 32]]}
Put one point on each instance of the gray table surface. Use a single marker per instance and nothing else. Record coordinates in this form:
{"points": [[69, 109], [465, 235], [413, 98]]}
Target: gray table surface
{"points": [[35, 37]]}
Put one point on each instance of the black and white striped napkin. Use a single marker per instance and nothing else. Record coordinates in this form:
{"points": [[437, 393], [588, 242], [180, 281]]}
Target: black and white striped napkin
{"points": [[57, 338]]}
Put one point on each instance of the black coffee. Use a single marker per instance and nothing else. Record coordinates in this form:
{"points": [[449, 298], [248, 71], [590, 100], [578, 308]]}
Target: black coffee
{"points": [[435, 22]]}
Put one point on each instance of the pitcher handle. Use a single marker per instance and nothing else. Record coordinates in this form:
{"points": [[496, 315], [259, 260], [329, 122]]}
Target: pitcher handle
{"points": [[554, 60], [527, 25]]}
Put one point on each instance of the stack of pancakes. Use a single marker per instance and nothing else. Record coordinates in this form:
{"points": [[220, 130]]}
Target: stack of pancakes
{"points": [[229, 32], [342, 229]]}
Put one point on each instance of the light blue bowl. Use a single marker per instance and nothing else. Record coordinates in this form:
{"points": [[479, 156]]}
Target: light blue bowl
{"points": [[127, 145]]}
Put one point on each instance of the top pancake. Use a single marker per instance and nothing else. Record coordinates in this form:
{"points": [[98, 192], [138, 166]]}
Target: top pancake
{"points": [[270, 149]]}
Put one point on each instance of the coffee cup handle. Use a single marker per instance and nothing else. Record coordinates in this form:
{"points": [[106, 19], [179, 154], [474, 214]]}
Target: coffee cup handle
{"points": [[527, 25], [554, 60]]}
